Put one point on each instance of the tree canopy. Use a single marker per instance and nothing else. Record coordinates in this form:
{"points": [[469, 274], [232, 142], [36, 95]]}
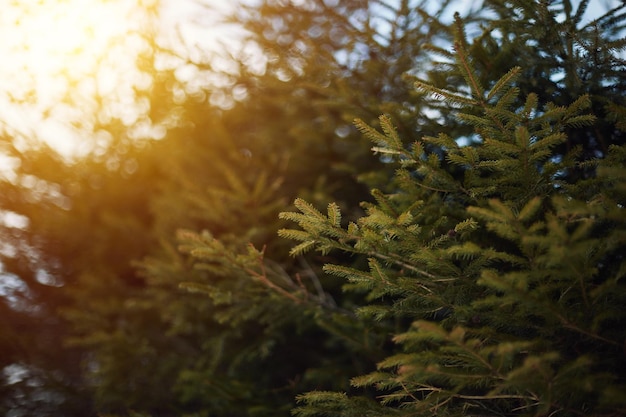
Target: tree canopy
{"points": [[384, 208]]}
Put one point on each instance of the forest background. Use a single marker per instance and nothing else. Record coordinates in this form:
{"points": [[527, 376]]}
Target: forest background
{"points": [[148, 272]]}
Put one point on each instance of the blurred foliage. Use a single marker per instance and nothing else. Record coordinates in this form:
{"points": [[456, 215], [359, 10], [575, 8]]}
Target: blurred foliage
{"points": [[152, 279]]}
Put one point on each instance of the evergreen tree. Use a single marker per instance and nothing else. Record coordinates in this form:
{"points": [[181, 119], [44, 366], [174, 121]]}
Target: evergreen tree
{"points": [[264, 152], [501, 260], [489, 252], [257, 301], [265, 311]]}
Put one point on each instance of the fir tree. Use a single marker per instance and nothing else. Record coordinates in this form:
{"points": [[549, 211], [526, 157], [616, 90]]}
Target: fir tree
{"points": [[481, 277], [502, 263]]}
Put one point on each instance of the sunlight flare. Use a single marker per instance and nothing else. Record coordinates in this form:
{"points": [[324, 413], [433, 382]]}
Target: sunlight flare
{"points": [[65, 59]]}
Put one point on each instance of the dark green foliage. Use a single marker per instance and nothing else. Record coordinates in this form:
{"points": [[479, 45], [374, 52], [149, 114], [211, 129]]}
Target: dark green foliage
{"points": [[483, 274], [508, 264], [562, 56]]}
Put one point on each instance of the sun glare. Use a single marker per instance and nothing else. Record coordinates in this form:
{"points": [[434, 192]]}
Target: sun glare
{"points": [[62, 59]]}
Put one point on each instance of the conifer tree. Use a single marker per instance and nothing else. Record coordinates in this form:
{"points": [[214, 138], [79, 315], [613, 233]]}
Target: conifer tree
{"points": [[417, 239], [263, 310], [500, 261], [489, 252]]}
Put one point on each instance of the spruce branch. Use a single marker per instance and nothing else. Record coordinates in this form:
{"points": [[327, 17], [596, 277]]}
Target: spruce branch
{"points": [[504, 82], [396, 260], [446, 95], [469, 73], [261, 276]]}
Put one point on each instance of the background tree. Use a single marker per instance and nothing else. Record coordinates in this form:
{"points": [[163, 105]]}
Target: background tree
{"points": [[46, 223]]}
